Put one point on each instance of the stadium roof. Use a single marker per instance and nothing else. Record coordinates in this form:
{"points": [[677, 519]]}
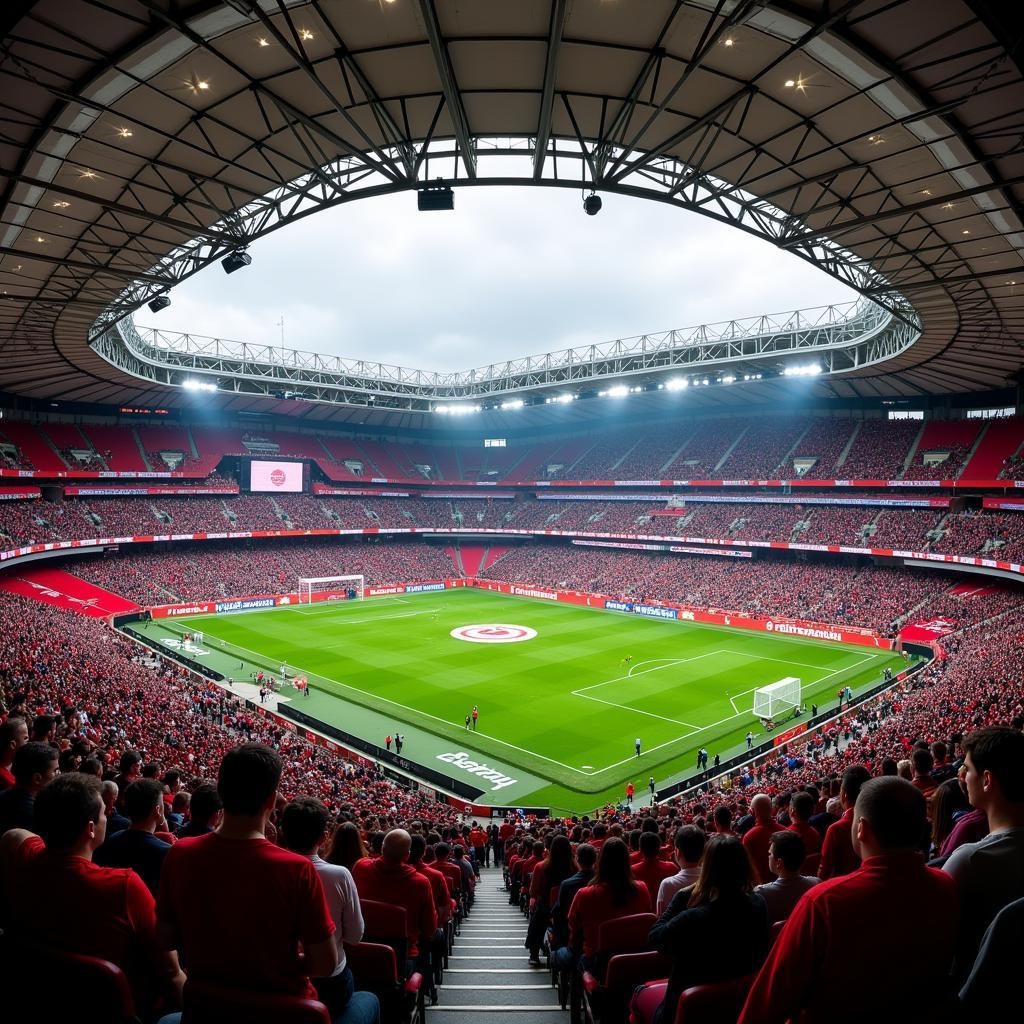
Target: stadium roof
{"points": [[145, 139]]}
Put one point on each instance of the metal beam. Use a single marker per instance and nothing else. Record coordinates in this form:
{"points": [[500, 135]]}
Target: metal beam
{"points": [[559, 10], [93, 269], [449, 86], [900, 211]]}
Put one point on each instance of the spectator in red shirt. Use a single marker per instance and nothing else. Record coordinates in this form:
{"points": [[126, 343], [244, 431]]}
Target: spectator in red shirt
{"points": [[390, 879], [862, 919], [921, 760], [838, 855], [13, 734], [443, 902], [239, 908], [112, 915], [649, 869], [801, 810], [758, 837], [614, 893], [442, 853]]}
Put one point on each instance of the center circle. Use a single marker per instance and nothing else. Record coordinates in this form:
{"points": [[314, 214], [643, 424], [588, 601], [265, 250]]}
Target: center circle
{"points": [[493, 633]]}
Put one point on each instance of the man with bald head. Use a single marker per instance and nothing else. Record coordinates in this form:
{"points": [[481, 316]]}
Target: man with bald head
{"points": [[861, 921], [758, 838], [390, 878]]}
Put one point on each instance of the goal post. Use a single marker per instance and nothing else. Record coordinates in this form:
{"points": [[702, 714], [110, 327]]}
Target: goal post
{"points": [[777, 699], [331, 588]]}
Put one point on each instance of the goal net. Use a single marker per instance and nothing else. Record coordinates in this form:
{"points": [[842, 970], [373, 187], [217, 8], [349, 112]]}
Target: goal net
{"points": [[776, 699], [331, 588]]}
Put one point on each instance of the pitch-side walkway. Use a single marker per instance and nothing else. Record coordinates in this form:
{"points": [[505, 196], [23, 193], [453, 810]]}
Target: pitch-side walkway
{"points": [[488, 979]]}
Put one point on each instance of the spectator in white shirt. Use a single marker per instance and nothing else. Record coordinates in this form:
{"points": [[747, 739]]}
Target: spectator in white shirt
{"points": [[304, 828], [688, 850]]}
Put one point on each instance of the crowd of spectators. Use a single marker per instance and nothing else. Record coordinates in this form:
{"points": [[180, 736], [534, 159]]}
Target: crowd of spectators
{"points": [[836, 524], [904, 774], [217, 571], [724, 447], [873, 597], [908, 813], [761, 451], [948, 469], [824, 441], [879, 450]]}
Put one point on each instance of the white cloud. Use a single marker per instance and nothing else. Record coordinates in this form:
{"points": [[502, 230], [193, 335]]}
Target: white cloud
{"points": [[511, 272]]}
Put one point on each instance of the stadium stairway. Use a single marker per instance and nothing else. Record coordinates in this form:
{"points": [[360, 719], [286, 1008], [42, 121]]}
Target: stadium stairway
{"points": [[488, 979]]}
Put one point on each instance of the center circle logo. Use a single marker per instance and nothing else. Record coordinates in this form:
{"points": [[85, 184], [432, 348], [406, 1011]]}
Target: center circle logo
{"points": [[277, 477], [493, 633]]}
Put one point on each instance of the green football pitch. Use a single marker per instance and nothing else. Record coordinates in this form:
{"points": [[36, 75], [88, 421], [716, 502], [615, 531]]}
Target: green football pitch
{"points": [[559, 712]]}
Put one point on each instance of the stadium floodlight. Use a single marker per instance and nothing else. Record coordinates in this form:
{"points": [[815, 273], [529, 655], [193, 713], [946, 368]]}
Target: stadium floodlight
{"points": [[235, 261], [677, 384], [564, 399], [192, 384], [515, 403], [435, 198], [592, 204], [619, 391], [461, 409], [160, 302], [729, 379], [802, 370]]}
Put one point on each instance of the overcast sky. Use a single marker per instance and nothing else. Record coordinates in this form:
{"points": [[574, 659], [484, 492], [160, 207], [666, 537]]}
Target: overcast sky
{"points": [[510, 273]]}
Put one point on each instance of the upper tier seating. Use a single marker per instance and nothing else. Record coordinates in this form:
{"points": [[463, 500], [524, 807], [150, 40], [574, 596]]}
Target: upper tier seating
{"points": [[730, 448]]}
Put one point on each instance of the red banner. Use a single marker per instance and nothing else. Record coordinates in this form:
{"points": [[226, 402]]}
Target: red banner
{"points": [[789, 734], [927, 632], [18, 493]]}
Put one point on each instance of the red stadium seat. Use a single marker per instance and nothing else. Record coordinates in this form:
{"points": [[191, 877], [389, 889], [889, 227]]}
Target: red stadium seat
{"points": [[718, 1003], [31, 967], [375, 969], [620, 935], [205, 1003]]}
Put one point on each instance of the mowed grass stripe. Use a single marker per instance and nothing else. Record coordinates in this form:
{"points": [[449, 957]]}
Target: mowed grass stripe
{"points": [[529, 713]]}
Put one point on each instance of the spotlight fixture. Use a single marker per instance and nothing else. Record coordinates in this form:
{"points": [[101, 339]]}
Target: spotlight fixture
{"points": [[158, 303], [592, 204], [440, 197], [235, 261]]}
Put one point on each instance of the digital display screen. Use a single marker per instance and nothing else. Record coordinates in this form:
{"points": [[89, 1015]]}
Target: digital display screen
{"points": [[282, 477]]}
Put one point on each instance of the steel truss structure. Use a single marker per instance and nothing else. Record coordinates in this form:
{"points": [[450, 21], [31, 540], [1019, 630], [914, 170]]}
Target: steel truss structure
{"points": [[837, 339], [881, 142]]}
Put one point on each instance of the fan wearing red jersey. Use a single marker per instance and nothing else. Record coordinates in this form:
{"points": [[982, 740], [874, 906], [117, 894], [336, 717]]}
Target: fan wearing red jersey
{"points": [[207, 909]]}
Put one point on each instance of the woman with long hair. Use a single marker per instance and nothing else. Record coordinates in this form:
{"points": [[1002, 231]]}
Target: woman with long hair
{"points": [[613, 893], [554, 869], [948, 803], [715, 930], [347, 845]]}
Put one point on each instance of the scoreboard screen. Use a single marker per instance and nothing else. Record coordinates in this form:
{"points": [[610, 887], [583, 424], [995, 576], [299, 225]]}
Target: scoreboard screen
{"points": [[276, 476]]}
